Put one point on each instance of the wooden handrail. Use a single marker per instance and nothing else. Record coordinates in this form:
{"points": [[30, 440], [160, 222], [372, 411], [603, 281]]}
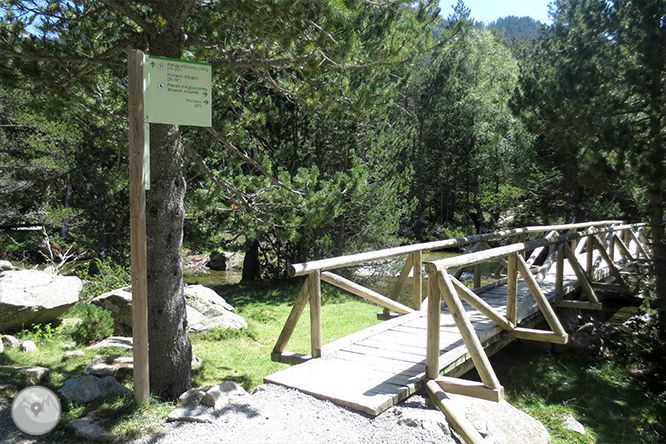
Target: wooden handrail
{"points": [[371, 256], [495, 253]]}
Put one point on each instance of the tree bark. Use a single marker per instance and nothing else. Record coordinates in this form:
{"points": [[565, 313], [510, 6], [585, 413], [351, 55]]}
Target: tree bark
{"points": [[170, 351]]}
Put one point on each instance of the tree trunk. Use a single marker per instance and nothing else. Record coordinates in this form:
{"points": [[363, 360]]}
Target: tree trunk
{"points": [[251, 264], [170, 352]]}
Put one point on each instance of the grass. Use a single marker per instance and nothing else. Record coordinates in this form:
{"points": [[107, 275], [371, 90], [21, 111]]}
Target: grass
{"points": [[603, 395], [242, 357]]}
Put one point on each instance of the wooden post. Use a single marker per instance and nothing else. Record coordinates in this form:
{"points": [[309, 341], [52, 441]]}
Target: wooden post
{"points": [[314, 283], [559, 277], [138, 227], [404, 274], [590, 250], [583, 279], [417, 283], [434, 313], [541, 300], [454, 415], [292, 320], [474, 346], [512, 289], [477, 275]]}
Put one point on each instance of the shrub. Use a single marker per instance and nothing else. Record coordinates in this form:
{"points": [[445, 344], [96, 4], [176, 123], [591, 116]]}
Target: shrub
{"points": [[97, 325], [103, 276]]}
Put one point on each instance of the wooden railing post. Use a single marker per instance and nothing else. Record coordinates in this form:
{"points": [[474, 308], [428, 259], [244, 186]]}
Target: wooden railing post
{"points": [[474, 346], [477, 275], [417, 283], [559, 276], [589, 266], [512, 289], [314, 284], [434, 313]]}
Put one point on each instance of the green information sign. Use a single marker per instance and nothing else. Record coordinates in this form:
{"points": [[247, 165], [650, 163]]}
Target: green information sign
{"points": [[177, 92]]}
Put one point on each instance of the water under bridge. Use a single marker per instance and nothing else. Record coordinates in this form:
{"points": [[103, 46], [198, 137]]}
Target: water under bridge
{"points": [[454, 324]]}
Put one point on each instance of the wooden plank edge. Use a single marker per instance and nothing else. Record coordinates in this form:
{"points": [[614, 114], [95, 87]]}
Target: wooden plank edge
{"points": [[583, 305], [538, 335], [466, 387], [290, 357]]}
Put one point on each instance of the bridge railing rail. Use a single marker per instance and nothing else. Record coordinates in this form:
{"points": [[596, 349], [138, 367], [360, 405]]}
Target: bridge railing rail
{"points": [[442, 281]]}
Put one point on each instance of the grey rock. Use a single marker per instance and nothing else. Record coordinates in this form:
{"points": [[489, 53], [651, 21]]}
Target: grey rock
{"points": [[570, 423], [191, 413], [71, 354], [114, 341], [119, 303], [30, 297], [222, 261], [227, 320], [117, 366], [2, 346], [191, 397], [202, 304], [220, 395], [586, 328], [193, 315], [33, 373], [586, 344], [501, 423], [206, 301], [120, 367], [11, 341], [87, 428], [28, 346], [88, 388], [6, 266], [431, 420]]}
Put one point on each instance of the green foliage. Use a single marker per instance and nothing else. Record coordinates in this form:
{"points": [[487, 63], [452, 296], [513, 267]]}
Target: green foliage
{"points": [[102, 276], [524, 28], [44, 333], [97, 325]]}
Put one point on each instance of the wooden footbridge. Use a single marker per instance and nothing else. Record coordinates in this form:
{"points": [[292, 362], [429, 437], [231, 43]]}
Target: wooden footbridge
{"points": [[436, 340]]}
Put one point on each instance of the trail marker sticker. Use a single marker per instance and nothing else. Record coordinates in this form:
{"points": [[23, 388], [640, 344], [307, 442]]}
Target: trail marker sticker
{"points": [[177, 92]]}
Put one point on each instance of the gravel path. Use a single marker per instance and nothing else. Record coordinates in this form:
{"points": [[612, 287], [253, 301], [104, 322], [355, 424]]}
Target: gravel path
{"points": [[275, 414]]}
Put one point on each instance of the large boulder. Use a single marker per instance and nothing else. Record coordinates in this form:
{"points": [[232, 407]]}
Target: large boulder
{"points": [[205, 310], [500, 422], [31, 297], [225, 261], [206, 301], [119, 303]]}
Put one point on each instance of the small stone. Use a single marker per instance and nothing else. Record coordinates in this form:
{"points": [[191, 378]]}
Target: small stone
{"points": [[88, 388], [586, 328], [2, 347], [191, 397], [28, 346], [191, 413], [11, 341], [570, 423], [6, 265], [114, 341], [219, 396], [196, 362], [71, 354], [88, 429], [7, 390]]}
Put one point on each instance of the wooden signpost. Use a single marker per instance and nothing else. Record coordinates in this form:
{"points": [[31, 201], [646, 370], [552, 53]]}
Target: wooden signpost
{"points": [[168, 91]]}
